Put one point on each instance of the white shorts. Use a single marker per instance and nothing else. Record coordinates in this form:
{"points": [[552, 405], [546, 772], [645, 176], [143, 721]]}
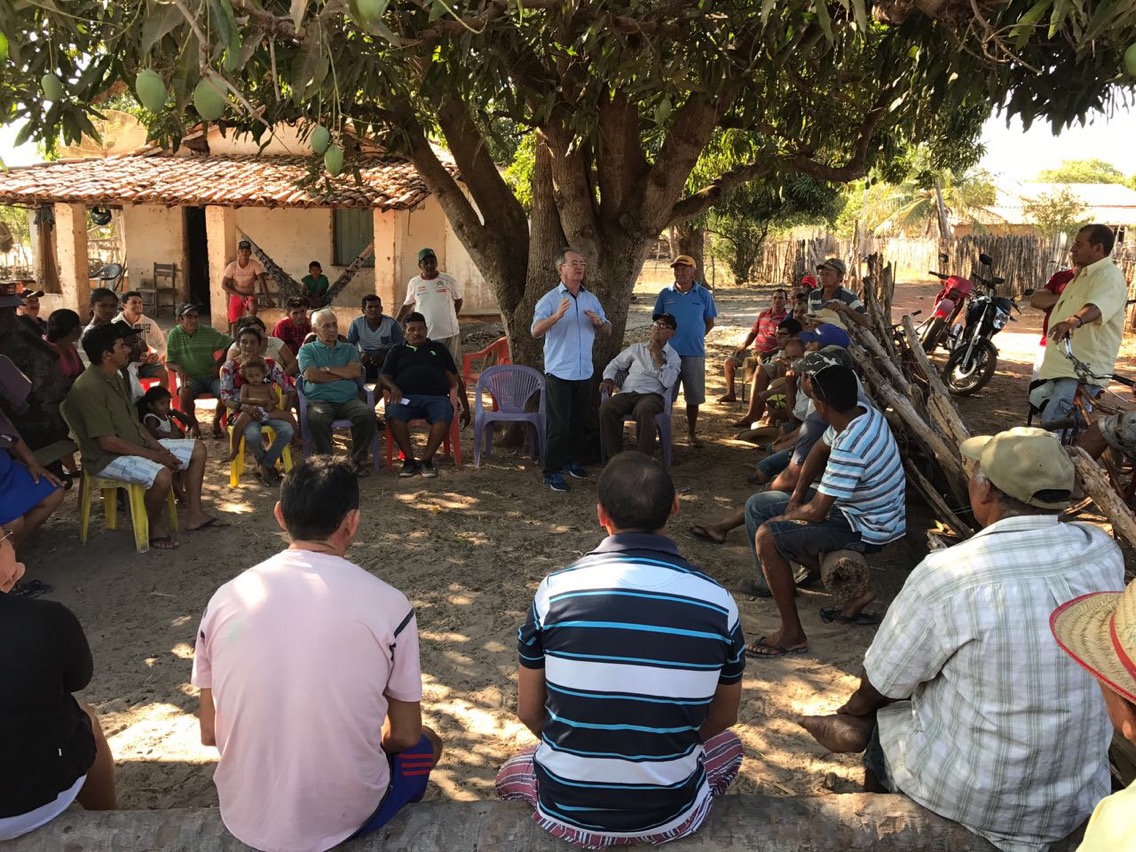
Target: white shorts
{"points": [[142, 471], [13, 827]]}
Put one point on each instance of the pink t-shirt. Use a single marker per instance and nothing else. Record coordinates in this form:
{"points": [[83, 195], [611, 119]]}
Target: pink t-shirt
{"points": [[302, 652], [244, 277]]}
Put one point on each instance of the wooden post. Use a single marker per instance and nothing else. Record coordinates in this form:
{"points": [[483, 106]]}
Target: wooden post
{"points": [[845, 575], [1097, 485]]}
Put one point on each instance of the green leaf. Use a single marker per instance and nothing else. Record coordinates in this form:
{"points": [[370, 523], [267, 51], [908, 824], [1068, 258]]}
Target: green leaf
{"points": [[824, 19], [1026, 24], [3, 50], [311, 65], [860, 12], [766, 8], [296, 12], [158, 24]]}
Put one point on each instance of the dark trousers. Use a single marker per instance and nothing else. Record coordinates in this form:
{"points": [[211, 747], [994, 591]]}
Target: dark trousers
{"points": [[644, 407], [567, 412]]}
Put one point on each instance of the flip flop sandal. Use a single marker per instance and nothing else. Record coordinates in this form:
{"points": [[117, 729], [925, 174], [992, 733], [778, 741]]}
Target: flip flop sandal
{"points": [[211, 523], [164, 542], [831, 615], [771, 651], [700, 533]]}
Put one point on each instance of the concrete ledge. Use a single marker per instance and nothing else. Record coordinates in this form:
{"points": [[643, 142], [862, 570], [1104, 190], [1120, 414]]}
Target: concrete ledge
{"points": [[855, 822]]}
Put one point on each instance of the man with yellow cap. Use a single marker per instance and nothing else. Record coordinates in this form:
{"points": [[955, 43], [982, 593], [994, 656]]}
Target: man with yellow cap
{"points": [[1099, 632], [965, 704]]}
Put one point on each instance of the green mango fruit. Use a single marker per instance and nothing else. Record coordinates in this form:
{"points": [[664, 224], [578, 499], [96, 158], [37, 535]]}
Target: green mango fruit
{"points": [[151, 90], [319, 139], [209, 99], [333, 160], [52, 87], [1130, 60]]}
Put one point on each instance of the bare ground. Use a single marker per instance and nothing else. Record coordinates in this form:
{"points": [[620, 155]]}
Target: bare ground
{"points": [[469, 549]]}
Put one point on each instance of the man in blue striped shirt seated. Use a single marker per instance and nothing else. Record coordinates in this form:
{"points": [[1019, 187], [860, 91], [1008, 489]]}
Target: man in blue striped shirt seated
{"points": [[630, 673], [857, 505]]}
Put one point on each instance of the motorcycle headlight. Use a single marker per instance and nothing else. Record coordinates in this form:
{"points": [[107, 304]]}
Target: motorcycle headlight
{"points": [[1000, 321]]}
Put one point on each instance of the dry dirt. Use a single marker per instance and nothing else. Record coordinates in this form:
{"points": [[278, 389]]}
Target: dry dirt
{"points": [[469, 549]]}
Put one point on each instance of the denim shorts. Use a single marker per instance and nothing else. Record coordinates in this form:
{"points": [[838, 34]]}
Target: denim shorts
{"points": [[774, 463], [432, 409], [874, 760], [202, 385]]}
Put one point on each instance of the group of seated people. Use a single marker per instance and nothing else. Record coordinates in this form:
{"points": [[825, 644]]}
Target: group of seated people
{"points": [[978, 697]]}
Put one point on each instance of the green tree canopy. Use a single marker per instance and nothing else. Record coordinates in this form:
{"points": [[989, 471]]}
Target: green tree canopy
{"points": [[621, 97], [1057, 212], [1082, 171]]}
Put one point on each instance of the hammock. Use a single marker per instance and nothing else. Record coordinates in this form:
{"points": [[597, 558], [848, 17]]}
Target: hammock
{"points": [[290, 287]]}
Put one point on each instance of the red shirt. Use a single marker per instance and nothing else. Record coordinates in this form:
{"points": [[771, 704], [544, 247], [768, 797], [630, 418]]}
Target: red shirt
{"points": [[765, 329], [1055, 285], [293, 335]]}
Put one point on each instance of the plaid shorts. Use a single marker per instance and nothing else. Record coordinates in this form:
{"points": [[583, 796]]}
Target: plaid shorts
{"points": [[517, 780], [142, 471]]}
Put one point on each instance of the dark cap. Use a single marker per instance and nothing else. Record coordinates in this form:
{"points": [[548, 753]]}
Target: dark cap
{"points": [[32, 294], [244, 244], [425, 253], [186, 308], [10, 295], [666, 319]]}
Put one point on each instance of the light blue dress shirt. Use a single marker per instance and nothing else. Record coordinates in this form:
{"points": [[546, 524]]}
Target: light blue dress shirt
{"points": [[568, 344]]}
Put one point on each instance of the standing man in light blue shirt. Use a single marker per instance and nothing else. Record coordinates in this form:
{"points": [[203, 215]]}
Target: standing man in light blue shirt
{"points": [[693, 306], [568, 317]]}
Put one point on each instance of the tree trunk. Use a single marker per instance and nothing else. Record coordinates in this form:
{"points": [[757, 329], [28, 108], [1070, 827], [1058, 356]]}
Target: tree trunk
{"points": [[687, 239]]}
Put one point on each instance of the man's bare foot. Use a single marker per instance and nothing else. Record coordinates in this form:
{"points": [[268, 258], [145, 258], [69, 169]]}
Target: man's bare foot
{"points": [[693, 440], [853, 608], [840, 734], [744, 423], [729, 397], [205, 521], [708, 532]]}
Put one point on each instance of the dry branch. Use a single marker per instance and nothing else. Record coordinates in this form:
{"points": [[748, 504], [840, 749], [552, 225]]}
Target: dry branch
{"points": [[1096, 484], [935, 500]]}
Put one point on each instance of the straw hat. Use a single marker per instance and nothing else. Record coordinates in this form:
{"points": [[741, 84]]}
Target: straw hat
{"points": [[829, 316], [1099, 632]]}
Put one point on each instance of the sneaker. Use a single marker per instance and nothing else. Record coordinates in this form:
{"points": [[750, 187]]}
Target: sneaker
{"points": [[556, 482], [576, 471], [427, 468], [409, 468]]}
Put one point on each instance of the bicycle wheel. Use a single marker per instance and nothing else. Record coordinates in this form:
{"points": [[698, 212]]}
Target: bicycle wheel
{"points": [[964, 376]]}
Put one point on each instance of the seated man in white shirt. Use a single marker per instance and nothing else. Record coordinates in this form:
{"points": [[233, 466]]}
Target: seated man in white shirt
{"points": [[966, 704], [652, 368], [151, 364]]}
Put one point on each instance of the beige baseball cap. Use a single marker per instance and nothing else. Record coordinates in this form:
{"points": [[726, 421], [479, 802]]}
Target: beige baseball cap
{"points": [[1022, 462]]}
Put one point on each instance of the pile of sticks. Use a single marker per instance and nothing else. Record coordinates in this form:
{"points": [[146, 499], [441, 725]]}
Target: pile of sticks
{"points": [[920, 410], [924, 419]]}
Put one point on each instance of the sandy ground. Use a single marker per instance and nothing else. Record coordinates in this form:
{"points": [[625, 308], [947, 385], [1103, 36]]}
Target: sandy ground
{"points": [[469, 548]]}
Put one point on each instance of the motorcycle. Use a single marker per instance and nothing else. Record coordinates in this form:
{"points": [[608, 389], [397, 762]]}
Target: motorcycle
{"points": [[974, 357], [949, 303]]}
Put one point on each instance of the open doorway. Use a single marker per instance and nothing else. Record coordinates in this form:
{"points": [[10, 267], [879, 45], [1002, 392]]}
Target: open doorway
{"points": [[197, 258]]}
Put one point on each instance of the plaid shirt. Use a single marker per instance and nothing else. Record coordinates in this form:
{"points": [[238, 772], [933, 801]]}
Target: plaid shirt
{"points": [[1003, 732]]}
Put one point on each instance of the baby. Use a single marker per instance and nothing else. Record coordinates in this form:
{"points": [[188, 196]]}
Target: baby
{"points": [[260, 400]]}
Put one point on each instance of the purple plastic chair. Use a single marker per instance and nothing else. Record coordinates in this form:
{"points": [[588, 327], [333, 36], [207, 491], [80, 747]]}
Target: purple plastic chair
{"points": [[368, 396], [511, 386], [662, 421]]}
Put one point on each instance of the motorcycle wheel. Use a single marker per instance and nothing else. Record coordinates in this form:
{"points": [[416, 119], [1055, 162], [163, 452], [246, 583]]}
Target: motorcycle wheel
{"points": [[963, 379], [933, 334]]}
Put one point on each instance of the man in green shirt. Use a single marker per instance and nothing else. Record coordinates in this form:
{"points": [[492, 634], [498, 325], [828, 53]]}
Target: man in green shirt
{"points": [[195, 353], [317, 285], [115, 444], [331, 372]]}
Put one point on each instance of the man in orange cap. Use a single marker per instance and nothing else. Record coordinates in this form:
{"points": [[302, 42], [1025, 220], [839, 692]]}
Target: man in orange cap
{"points": [[692, 305]]}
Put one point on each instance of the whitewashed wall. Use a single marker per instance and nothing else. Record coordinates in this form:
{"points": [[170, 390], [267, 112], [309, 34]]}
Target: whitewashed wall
{"points": [[154, 234]]}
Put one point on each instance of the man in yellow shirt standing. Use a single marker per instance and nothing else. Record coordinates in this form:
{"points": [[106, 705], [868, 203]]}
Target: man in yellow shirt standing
{"points": [[1099, 632], [1090, 311]]}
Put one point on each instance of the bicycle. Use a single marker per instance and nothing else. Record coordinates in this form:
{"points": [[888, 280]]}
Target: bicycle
{"points": [[1087, 407]]}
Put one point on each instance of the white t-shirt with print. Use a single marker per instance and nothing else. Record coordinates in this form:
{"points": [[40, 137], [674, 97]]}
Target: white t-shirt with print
{"points": [[434, 299]]}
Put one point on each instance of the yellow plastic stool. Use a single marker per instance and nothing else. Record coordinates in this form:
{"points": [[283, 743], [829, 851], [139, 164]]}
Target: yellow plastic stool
{"points": [[237, 465], [135, 496]]}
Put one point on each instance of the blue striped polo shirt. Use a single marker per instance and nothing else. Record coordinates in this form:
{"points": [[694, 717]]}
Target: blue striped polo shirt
{"points": [[865, 475], [634, 642]]}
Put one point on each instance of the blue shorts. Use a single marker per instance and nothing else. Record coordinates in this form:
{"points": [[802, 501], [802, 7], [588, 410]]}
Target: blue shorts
{"points": [[432, 409], [152, 371], [203, 385], [409, 775]]}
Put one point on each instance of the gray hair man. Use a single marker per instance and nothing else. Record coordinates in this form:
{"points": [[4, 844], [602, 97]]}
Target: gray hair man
{"points": [[964, 694]]}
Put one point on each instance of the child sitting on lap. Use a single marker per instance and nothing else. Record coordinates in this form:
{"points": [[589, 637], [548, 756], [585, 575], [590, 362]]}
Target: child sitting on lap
{"points": [[162, 421], [260, 400]]}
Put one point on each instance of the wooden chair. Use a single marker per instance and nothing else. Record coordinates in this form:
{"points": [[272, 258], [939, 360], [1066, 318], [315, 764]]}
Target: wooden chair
{"points": [[165, 285]]}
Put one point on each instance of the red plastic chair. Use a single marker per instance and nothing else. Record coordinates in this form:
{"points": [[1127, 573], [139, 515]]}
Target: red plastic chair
{"points": [[496, 352], [451, 444]]}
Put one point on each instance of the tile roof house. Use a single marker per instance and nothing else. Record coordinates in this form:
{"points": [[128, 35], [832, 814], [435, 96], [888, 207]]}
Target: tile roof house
{"points": [[1109, 203], [190, 208]]}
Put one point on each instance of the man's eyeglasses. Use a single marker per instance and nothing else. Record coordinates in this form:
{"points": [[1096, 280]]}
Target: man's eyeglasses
{"points": [[577, 264], [661, 324]]}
